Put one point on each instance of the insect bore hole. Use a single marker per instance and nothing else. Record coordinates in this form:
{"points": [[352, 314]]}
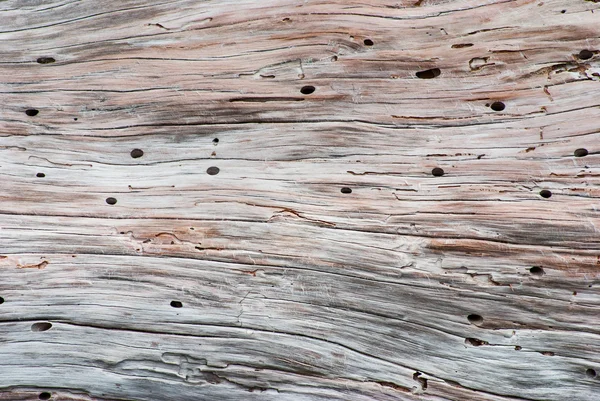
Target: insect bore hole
{"points": [[346, 190], [45, 396], [176, 304], [437, 172], [46, 60], [585, 54], [475, 319], [212, 170], [32, 112], [307, 90], [581, 152], [429, 74], [536, 271], [42, 326], [111, 201], [497, 106], [544, 193], [368, 42], [137, 153]]}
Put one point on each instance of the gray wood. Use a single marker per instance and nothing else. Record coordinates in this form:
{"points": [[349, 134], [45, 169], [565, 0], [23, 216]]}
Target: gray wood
{"points": [[464, 286]]}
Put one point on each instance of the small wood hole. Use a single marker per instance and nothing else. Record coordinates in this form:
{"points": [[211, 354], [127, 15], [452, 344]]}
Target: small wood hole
{"points": [[32, 112], [346, 190], [368, 42], [475, 319], [40, 175], [176, 304], [437, 172], [581, 152], [590, 373], [429, 74], [137, 153], [497, 106], [212, 170], [307, 90], [544, 193], [536, 271], [585, 54], [45, 396], [42, 326], [111, 201], [45, 60]]}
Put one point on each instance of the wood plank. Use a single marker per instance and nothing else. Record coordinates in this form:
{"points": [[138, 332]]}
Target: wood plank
{"points": [[181, 219]]}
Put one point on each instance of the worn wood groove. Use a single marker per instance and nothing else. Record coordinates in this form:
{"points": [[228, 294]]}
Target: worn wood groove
{"points": [[300, 200]]}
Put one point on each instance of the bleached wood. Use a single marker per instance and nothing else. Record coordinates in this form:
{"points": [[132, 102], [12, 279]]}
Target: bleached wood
{"points": [[291, 289]]}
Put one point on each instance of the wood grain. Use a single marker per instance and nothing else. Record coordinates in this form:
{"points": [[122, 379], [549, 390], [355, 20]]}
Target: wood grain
{"points": [[268, 243]]}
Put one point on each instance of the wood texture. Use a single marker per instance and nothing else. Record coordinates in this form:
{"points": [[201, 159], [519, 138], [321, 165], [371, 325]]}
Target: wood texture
{"points": [[322, 259]]}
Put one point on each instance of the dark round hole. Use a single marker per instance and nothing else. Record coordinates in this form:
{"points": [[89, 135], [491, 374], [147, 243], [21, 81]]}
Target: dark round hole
{"points": [[1, 300], [563, 11], [212, 170], [497, 106], [544, 193], [590, 373], [429, 74], [45, 60], [40, 175], [368, 42], [43, 326], [45, 396], [585, 54], [137, 153], [437, 172], [518, 348], [75, 119], [216, 140], [475, 319], [32, 112], [307, 90], [346, 190], [581, 152], [176, 304], [536, 271], [111, 201]]}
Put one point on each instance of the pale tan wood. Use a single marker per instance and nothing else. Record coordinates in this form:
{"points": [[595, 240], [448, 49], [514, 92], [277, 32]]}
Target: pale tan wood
{"points": [[284, 287]]}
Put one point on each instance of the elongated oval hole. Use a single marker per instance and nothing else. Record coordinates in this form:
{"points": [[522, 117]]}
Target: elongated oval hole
{"points": [[46, 60], [42, 326], [307, 90], [475, 319], [429, 74], [497, 106], [536, 271]]}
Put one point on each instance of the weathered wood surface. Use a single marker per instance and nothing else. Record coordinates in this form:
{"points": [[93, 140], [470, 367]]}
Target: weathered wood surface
{"points": [[289, 288]]}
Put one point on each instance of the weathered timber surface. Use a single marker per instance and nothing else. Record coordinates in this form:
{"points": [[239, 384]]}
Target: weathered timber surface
{"points": [[268, 243]]}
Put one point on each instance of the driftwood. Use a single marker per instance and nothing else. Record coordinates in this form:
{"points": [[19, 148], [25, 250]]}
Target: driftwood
{"points": [[300, 200]]}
